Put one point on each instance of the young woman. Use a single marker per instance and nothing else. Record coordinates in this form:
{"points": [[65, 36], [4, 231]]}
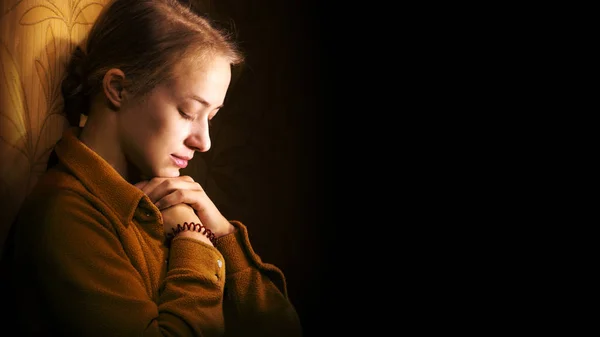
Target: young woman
{"points": [[113, 241]]}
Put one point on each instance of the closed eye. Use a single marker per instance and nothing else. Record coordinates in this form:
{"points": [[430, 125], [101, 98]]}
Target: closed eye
{"points": [[190, 118], [185, 116]]}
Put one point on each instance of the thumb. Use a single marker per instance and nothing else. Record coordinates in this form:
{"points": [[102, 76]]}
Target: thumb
{"points": [[141, 184]]}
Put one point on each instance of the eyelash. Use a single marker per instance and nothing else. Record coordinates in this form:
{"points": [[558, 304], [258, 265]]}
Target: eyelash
{"points": [[185, 116], [190, 118]]}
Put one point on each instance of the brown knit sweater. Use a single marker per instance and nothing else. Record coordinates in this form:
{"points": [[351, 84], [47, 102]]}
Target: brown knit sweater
{"points": [[89, 259]]}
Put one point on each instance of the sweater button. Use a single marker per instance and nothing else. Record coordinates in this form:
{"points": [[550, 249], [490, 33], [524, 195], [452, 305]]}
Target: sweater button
{"points": [[219, 263]]}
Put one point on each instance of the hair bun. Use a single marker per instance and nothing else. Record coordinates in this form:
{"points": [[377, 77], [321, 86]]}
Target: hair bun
{"points": [[74, 86]]}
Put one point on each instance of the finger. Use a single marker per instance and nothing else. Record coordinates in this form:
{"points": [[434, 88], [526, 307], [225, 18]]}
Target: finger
{"points": [[157, 187], [194, 198], [141, 184], [171, 186], [186, 178], [203, 206], [151, 184]]}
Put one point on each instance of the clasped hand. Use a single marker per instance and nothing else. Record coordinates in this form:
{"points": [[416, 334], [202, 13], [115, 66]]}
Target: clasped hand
{"points": [[183, 190]]}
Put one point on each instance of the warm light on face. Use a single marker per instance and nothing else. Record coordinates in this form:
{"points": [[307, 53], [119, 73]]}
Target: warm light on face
{"points": [[172, 122]]}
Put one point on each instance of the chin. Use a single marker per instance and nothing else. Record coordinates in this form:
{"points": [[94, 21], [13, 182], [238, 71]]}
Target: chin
{"points": [[168, 173]]}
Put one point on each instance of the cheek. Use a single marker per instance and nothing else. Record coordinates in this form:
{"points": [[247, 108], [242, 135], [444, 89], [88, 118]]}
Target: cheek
{"points": [[158, 129], [169, 134], [155, 120], [147, 130]]}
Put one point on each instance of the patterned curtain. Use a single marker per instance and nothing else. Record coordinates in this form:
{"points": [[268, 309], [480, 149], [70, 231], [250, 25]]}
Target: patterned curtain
{"points": [[36, 37]]}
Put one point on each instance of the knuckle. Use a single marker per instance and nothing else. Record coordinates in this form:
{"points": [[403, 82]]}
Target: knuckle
{"points": [[170, 184]]}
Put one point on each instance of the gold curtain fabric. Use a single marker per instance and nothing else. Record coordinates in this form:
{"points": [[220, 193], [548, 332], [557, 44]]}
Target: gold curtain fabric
{"points": [[36, 39]]}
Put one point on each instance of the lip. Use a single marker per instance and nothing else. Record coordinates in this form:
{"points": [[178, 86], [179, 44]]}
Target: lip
{"points": [[180, 161]]}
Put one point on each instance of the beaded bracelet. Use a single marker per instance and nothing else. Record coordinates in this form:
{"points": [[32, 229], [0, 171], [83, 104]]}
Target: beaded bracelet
{"points": [[196, 227]]}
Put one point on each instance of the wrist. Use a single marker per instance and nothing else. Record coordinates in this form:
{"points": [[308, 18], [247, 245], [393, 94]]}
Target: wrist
{"points": [[196, 236], [191, 229], [227, 228]]}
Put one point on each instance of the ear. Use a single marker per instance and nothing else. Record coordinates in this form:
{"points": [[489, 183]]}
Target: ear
{"points": [[113, 86]]}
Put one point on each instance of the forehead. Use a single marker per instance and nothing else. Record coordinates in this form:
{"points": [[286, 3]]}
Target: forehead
{"points": [[208, 78]]}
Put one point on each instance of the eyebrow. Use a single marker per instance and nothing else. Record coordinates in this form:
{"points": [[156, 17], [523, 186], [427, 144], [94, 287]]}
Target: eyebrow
{"points": [[204, 102]]}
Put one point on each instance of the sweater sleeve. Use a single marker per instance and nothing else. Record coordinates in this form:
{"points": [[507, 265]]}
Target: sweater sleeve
{"points": [[85, 285], [256, 302]]}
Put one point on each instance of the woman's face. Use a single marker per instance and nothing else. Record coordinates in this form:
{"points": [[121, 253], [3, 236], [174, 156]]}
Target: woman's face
{"points": [[160, 132]]}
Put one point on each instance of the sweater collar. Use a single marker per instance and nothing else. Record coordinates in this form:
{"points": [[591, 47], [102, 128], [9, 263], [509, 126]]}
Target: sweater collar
{"points": [[98, 176]]}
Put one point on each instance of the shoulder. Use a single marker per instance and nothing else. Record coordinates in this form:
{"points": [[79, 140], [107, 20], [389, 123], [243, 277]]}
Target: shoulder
{"points": [[59, 202], [58, 221], [57, 179]]}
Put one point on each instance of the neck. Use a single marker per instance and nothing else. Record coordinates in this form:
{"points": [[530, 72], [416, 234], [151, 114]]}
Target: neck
{"points": [[100, 134]]}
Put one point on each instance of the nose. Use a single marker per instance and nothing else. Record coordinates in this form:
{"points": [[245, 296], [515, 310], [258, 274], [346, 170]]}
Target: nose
{"points": [[199, 138]]}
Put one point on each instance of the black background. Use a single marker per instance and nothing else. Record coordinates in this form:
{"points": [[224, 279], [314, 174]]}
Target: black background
{"points": [[281, 105], [271, 165]]}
